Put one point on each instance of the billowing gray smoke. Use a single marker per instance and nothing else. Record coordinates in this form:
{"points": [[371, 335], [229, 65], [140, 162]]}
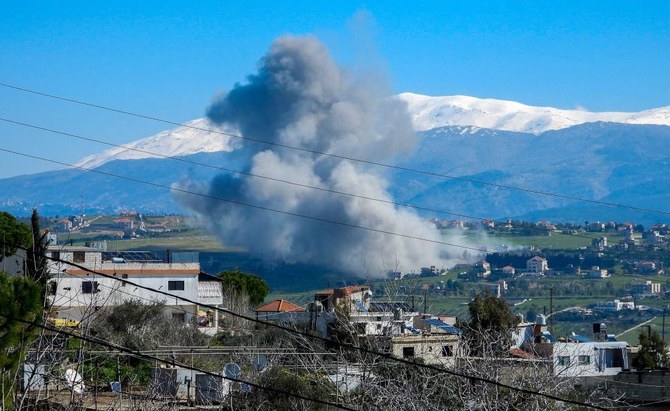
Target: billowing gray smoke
{"points": [[301, 98]]}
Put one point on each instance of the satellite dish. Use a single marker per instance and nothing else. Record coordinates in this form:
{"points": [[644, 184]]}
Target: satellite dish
{"points": [[75, 381], [259, 362], [232, 370]]}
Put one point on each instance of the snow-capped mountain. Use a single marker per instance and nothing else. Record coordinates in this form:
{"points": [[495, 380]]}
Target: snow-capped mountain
{"points": [[431, 112], [196, 136], [427, 113]]}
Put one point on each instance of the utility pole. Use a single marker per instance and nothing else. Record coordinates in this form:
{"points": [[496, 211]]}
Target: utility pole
{"points": [[551, 310], [663, 329]]}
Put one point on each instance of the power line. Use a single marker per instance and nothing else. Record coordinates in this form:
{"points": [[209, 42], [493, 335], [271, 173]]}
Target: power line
{"points": [[188, 161], [321, 153], [243, 204], [142, 355], [337, 343], [279, 180]]}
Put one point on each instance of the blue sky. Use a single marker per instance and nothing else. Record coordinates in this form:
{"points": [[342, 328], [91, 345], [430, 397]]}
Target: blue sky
{"points": [[168, 59]]}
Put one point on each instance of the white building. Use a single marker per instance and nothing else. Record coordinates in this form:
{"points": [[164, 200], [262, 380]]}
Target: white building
{"points": [[76, 292], [589, 359], [646, 288], [537, 265], [597, 272]]}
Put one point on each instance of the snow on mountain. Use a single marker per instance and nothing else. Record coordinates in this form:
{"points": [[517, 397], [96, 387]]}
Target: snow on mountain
{"points": [[432, 112], [191, 138], [427, 113]]}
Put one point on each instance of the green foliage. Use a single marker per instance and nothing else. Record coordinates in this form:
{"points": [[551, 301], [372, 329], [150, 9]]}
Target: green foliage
{"points": [[20, 299], [36, 261], [491, 324], [141, 326], [13, 233], [102, 370], [653, 353], [242, 283], [301, 383]]}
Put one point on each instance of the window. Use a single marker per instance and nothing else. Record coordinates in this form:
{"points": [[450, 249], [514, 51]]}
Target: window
{"points": [[584, 359], [179, 317], [408, 352], [175, 286], [55, 255], [89, 287], [447, 351], [79, 257], [564, 361]]}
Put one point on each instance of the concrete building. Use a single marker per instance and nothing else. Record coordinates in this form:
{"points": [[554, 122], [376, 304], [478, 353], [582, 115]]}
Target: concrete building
{"points": [[75, 291], [537, 265]]}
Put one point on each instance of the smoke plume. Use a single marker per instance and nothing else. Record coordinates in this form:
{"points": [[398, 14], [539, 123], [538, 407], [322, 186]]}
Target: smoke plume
{"points": [[299, 97]]}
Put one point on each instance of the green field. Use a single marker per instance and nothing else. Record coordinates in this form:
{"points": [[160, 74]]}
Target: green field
{"points": [[556, 241]]}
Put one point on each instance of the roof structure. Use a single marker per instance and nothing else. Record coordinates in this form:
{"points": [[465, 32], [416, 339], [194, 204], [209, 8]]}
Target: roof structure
{"points": [[279, 306], [449, 329]]}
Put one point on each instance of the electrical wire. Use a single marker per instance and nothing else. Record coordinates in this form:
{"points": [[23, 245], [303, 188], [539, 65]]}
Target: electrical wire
{"points": [[342, 157], [337, 343], [140, 354], [239, 203], [292, 183], [243, 204]]}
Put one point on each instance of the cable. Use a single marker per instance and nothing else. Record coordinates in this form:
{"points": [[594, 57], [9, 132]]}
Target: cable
{"points": [[339, 344], [142, 355], [320, 153], [240, 203], [326, 340], [188, 161]]}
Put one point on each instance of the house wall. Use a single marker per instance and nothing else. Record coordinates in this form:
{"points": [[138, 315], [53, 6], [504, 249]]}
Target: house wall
{"points": [[69, 292], [431, 348], [380, 323], [566, 359]]}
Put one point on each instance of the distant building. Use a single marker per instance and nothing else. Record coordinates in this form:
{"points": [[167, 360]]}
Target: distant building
{"points": [[508, 270], [483, 268], [615, 305], [355, 298], [537, 265], [646, 288], [596, 226], [429, 271], [647, 267], [599, 244], [597, 272]]}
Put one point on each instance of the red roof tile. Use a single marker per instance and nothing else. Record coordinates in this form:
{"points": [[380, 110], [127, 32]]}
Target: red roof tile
{"points": [[279, 306]]}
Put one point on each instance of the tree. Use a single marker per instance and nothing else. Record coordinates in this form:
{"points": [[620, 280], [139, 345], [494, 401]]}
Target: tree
{"points": [[13, 234], [20, 300], [294, 381], [653, 353], [491, 324], [143, 326], [36, 260], [241, 283]]}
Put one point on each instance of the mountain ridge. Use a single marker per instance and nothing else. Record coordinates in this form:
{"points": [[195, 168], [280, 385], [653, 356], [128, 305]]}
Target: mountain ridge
{"points": [[471, 113], [620, 163]]}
